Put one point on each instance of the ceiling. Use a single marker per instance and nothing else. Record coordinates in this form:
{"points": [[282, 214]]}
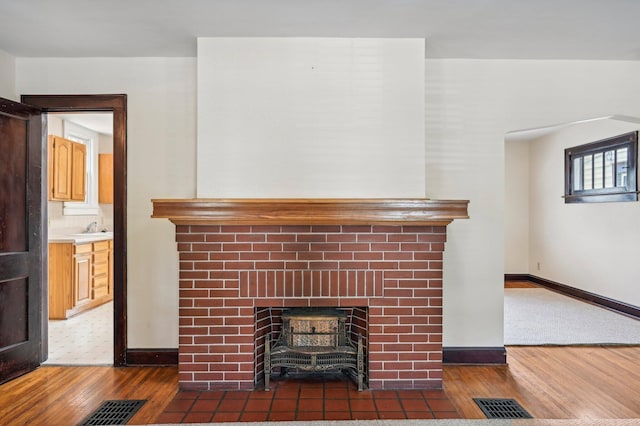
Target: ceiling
{"points": [[491, 29], [101, 122]]}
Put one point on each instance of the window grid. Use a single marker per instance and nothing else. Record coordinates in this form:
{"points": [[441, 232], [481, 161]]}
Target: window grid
{"points": [[602, 171]]}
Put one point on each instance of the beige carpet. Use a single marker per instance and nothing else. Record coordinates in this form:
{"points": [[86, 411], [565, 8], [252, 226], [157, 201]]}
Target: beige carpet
{"points": [[536, 316]]}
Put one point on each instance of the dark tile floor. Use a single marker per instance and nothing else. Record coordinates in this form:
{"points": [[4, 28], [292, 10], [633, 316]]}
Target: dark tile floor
{"points": [[308, 398]]}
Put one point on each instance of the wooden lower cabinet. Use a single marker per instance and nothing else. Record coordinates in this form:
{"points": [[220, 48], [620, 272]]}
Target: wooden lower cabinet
{"points": [[81, 274], [79, 277], [100, 287], [110, 281]]}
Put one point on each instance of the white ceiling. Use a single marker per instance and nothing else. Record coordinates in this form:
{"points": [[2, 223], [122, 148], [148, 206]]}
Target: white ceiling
{"points": [[517, 29], [101, 122]]}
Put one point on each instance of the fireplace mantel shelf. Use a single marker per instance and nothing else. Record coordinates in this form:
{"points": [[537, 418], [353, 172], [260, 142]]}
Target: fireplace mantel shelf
{"points": [[304, 211]]}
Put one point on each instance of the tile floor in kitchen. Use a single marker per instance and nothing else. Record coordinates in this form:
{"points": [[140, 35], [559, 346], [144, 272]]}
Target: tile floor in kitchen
{"points": [[85, 339]]}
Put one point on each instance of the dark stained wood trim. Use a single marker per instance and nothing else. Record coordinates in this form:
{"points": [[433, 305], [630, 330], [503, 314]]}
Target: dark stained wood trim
{"points": [[596, 299], [474, 355], [517, 277], [155, 357], [603, 195], [302, 211], [117, 104]]}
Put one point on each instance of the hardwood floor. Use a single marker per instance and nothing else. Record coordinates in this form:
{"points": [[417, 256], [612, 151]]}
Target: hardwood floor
{"points": [[554, 382], [550, 382], [520, 284], [66, 395]]}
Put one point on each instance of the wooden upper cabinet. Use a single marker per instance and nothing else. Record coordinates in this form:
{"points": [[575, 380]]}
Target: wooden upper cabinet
{"points": [[105, 178], [59, 168], [78, 171], [67, 169]]}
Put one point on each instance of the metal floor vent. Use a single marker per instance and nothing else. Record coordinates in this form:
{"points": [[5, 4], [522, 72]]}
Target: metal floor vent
{"points": [[497, 408], [114, 412]]}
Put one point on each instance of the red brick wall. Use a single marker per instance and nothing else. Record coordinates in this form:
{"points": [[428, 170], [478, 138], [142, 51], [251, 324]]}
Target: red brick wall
{"points": [[226, 272]]}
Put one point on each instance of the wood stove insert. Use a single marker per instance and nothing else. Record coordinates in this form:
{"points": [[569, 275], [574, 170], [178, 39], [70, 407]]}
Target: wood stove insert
{"points": [[314, 339]]}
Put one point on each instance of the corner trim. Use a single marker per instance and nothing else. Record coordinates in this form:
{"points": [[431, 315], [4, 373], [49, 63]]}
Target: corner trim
{"points": [[156, 357], [474, 355], [596, 299]]}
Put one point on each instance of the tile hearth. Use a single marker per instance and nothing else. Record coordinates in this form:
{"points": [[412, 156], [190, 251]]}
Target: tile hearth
{"points": [[307, 398]]}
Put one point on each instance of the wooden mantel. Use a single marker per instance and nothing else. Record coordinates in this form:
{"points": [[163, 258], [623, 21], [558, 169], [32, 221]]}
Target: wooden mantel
{"points": [[316, 211]]}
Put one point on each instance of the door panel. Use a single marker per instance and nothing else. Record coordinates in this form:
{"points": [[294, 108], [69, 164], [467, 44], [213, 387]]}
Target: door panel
{"points": [[21, 231], [16, 291], [13, 178]]}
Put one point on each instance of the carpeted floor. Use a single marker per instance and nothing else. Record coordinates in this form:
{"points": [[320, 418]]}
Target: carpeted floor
{"points": [[536, 316]]}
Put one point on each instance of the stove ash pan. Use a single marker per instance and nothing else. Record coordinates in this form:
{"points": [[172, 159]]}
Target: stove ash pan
{"points": [[314, 339]]}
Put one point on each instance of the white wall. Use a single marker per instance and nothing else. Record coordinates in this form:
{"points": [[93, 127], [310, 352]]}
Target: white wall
{"points": [[516, 208], [590, 246], [161, 97], [310, 117], [7, 76], [470, 106]]}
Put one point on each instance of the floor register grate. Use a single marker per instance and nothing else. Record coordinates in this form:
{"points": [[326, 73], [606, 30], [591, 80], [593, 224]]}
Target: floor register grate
{"points": [[497, 408], [117, 412]]}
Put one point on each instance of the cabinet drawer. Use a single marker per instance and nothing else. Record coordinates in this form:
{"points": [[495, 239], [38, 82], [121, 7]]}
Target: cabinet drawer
{"points": [[82, 248], [99, 282], [101, 268], [100, 291], [101, 245]]}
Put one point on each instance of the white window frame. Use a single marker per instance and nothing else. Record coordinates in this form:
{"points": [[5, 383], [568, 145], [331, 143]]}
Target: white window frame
{"points": [[89, 138]]}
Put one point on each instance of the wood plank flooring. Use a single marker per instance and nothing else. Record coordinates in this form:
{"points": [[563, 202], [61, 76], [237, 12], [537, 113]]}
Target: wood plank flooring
{"points": [[550, 382], [66, 395], [520, 284], [554, 382]]}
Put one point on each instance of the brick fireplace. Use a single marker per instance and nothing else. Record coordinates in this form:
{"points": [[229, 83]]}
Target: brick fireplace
{"points": [[243, 260]]}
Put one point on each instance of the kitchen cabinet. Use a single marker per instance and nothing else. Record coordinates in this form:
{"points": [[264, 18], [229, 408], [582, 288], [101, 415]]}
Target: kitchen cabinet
{"points": [[67, 169], [79, 276], [105, 178], [110, 270], [100, 284]]}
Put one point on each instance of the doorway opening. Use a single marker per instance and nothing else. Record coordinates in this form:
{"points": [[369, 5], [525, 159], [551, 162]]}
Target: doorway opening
{"points": [[81, 237], [116, 105], [552, 249]]}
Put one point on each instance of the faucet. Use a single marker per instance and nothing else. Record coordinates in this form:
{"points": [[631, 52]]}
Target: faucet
{"points": [[92, 227]]}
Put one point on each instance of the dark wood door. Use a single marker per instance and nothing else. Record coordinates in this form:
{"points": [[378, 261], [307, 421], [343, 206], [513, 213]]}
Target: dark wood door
{"points": [[21, 239]]}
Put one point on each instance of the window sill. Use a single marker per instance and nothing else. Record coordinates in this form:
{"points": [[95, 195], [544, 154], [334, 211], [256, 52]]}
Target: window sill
{"points": [[615, 197]]}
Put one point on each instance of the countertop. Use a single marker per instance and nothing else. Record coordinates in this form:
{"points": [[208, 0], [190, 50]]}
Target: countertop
{"points": [[81, 238]]}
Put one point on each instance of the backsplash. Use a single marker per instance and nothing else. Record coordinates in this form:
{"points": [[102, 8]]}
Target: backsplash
{"points": [[61, 224]]}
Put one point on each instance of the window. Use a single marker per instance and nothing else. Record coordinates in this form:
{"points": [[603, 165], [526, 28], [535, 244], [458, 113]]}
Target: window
{"points": [[602, 171], [85, 136]]}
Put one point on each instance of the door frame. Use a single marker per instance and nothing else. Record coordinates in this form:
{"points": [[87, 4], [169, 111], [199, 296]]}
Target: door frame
{"points": [[117, 104]]}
